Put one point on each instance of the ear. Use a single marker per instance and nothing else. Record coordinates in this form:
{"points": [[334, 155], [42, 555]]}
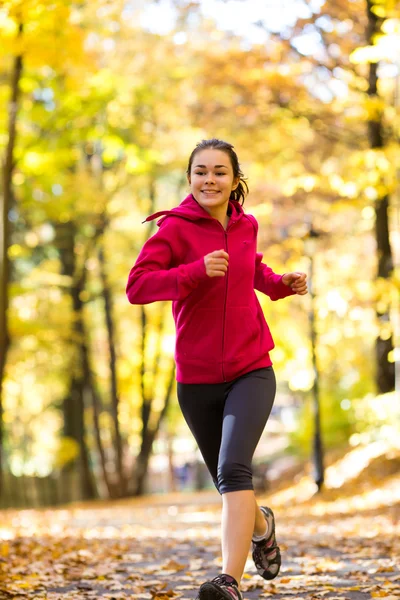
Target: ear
{"points": [[235, 183], [188, 178]]}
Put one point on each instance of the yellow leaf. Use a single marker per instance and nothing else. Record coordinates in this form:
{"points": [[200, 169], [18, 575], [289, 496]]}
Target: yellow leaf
{"points": [[173, 565]]}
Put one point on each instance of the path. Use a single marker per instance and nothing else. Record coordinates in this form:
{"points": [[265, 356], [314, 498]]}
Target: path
{"points": [[163, 547]]}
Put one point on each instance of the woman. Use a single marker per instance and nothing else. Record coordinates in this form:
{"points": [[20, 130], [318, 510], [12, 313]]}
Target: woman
{"points": [[204, 259]]}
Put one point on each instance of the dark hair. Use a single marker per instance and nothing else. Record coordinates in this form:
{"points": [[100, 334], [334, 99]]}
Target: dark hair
{"points": [[242, 189]]}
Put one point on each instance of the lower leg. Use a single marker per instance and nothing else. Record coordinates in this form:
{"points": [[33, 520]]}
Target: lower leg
{"points": [[261, 525], [238, 518]]}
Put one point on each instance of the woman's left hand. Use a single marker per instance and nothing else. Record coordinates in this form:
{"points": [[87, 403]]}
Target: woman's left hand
{"points": [[297, 281]]}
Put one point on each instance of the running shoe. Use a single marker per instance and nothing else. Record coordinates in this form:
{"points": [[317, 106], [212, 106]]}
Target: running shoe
{"points": [[222, 587], [266, 553]]}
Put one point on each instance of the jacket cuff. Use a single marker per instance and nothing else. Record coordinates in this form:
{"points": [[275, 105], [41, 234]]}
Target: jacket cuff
{"points": [[197, 270]]}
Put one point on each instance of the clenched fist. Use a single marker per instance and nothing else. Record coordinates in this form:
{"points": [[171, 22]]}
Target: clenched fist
{"points": [[297, 281], [216, 263]]}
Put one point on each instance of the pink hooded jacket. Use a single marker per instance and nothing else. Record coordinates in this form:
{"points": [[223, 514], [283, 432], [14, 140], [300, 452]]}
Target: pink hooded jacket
{"points": [[221, 332]]}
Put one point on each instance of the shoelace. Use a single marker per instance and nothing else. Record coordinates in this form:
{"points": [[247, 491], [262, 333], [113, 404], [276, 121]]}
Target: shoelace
{"points": [[230, 585], [223, 580]]}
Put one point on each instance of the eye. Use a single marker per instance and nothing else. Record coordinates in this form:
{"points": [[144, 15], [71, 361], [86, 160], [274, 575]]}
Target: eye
{"points": [[199, 173], [220, 173]]}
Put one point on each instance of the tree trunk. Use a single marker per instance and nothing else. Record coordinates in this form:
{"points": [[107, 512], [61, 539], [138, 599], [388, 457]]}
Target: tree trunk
{"points": [[147, 442], [385, 372], [88, 482], [148, 437], [8, 169], [96, 403], [74, 409], [113, 372], [171, 466]]}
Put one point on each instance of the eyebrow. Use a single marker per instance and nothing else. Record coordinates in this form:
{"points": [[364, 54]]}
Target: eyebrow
{"points": [[216, 166]]}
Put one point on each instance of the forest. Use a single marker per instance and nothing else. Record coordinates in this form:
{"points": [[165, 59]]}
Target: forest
{"points": [[101, 104]]}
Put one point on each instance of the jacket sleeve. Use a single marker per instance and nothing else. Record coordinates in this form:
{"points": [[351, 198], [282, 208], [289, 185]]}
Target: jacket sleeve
{"points": [[152, 278], [268, 282]]}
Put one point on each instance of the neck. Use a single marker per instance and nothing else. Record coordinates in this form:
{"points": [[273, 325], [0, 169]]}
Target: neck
{"points": [[220, 213]]}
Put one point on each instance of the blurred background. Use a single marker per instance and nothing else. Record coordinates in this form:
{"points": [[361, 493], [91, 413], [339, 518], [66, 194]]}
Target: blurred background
{"points": [[101, 103]]}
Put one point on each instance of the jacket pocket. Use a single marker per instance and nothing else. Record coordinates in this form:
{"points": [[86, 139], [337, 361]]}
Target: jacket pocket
{"points": [[200, 339], [242, 333]]}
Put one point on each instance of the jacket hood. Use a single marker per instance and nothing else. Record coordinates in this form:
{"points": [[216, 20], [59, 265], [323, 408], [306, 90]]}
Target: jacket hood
{"points": [[191, 210]]}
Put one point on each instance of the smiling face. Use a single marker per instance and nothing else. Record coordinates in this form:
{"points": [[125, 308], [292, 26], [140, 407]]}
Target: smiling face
{"points": [[211, 180]]}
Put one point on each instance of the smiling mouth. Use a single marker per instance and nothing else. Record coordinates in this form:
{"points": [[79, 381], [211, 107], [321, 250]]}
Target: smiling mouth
{"points": [[210, 192]]}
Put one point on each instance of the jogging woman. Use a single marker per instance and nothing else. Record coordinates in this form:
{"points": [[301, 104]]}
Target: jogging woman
{"points": [[203, 257]]}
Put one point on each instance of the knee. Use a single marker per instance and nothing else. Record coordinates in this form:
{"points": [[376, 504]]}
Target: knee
{"points": [[233, 477]]}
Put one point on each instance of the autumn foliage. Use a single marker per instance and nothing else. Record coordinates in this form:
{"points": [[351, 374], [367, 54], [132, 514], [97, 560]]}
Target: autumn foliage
{"points": [[99, 111]]}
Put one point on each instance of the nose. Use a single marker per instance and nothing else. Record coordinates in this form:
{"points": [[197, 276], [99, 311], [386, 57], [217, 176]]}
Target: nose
{"points": [[210, 178]]}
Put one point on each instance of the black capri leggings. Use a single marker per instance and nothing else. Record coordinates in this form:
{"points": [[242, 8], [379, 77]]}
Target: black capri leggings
{"points": [[227, 420]]}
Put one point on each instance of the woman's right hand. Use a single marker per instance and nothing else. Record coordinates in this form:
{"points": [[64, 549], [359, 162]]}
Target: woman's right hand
{"points": [[216, 263]]}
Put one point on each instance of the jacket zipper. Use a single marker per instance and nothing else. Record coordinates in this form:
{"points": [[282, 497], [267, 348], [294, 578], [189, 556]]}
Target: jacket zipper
{"points": [[225, 299], [226, 295]]}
